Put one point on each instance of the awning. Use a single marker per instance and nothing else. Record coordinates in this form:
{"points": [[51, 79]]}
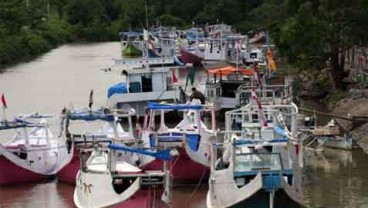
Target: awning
{"points": [[224, 71]]}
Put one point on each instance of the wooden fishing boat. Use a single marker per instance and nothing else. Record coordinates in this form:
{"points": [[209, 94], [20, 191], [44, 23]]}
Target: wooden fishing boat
{"points": [[142, 85], [326, 136], [120, 181], [33, 154], [259, 162], [99, 126], [190, 139]]}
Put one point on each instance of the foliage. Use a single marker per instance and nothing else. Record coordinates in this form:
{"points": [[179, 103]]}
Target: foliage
{"points": [[311, 34], [336, 97]]}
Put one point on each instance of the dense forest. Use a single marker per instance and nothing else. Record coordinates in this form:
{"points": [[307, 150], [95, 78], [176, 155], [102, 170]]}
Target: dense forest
{"points": [[309, 33]]}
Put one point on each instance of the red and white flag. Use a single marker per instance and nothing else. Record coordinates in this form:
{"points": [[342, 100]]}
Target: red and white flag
{"points": [[261, 116], [174, 78], [3, 101]]}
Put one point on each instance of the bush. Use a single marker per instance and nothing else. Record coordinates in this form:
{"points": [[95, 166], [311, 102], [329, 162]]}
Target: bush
{"points": [[35, 43], [336, 97], [12, 48], [57, 32]]}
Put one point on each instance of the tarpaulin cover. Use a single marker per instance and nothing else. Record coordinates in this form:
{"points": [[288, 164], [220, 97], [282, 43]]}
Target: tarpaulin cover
{"points": [[224, 71], [119, 88]]}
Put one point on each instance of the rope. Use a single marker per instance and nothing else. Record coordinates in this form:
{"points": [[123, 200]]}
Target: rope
{"points": [[176, 160], [154, 198], [197, 186]]}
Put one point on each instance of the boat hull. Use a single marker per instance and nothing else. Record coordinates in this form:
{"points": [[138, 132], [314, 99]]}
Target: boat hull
{"points": [[12, 174], [262, 200], [182, 169], [188, 57], [337, 143], [147, 198], [69, 172]]}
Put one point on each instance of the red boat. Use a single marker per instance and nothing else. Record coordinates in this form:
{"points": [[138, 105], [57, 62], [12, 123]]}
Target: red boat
{"points": [[182, 169], [188, 57], [69, 172], [34, 154]]}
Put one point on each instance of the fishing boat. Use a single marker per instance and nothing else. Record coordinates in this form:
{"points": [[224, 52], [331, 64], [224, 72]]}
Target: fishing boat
{"points": [[99, 126], [326, 136], [191, 55], [131, 44], [223, 82], [33, 154], [161, 42], [141, 85], [189, 138], [259, 162], [122, 184], [191, 46]]}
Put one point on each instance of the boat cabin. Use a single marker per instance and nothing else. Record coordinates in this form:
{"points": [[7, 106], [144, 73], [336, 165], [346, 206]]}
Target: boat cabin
{"points": [[148, 80], [254, 55]]}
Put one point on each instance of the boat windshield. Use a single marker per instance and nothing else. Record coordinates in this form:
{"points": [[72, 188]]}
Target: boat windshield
{"points": [[257, 162]]}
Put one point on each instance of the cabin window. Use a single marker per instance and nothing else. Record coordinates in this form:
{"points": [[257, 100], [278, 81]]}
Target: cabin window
{"points": [[253, 55], [257, 162]]}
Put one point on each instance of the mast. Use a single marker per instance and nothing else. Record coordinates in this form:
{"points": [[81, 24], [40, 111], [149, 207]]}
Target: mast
{"points": [[145, 5]]}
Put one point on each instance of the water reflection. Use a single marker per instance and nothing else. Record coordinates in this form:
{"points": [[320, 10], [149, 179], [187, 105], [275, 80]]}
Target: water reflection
{"points": [[33, 195], [336, 178]]}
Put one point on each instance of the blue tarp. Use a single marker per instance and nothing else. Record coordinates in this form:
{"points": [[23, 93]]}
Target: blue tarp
{"points": [[88, 115], [158, 106], [17, 123], [118, 88], [279, 131], [194, 141], [162, 155]]}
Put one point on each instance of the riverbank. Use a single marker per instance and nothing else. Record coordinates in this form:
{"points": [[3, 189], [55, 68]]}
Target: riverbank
{"points": [[30, 43]]}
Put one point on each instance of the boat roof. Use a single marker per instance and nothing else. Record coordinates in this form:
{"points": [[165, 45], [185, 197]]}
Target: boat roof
{"points": [[89, 115], [131, 33], [149, 70], [226, 70], [159, 106], [17, 123]]}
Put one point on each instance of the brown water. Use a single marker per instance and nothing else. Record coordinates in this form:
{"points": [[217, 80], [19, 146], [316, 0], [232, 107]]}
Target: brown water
{"points": [[65, 76]]}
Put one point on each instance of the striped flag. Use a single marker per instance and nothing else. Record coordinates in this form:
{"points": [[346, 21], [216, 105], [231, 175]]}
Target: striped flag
{"points": [[3, 101], [261, 116]]}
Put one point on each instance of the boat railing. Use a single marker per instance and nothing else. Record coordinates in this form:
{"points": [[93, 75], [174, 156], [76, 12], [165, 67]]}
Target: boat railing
{"points": [[269, 94]]}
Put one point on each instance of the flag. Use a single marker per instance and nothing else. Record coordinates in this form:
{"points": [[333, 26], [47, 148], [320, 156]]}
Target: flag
{"points": [[3, 101], [192, 75], [271, 62], [174, 78], [90, 99], [261, 116]]}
